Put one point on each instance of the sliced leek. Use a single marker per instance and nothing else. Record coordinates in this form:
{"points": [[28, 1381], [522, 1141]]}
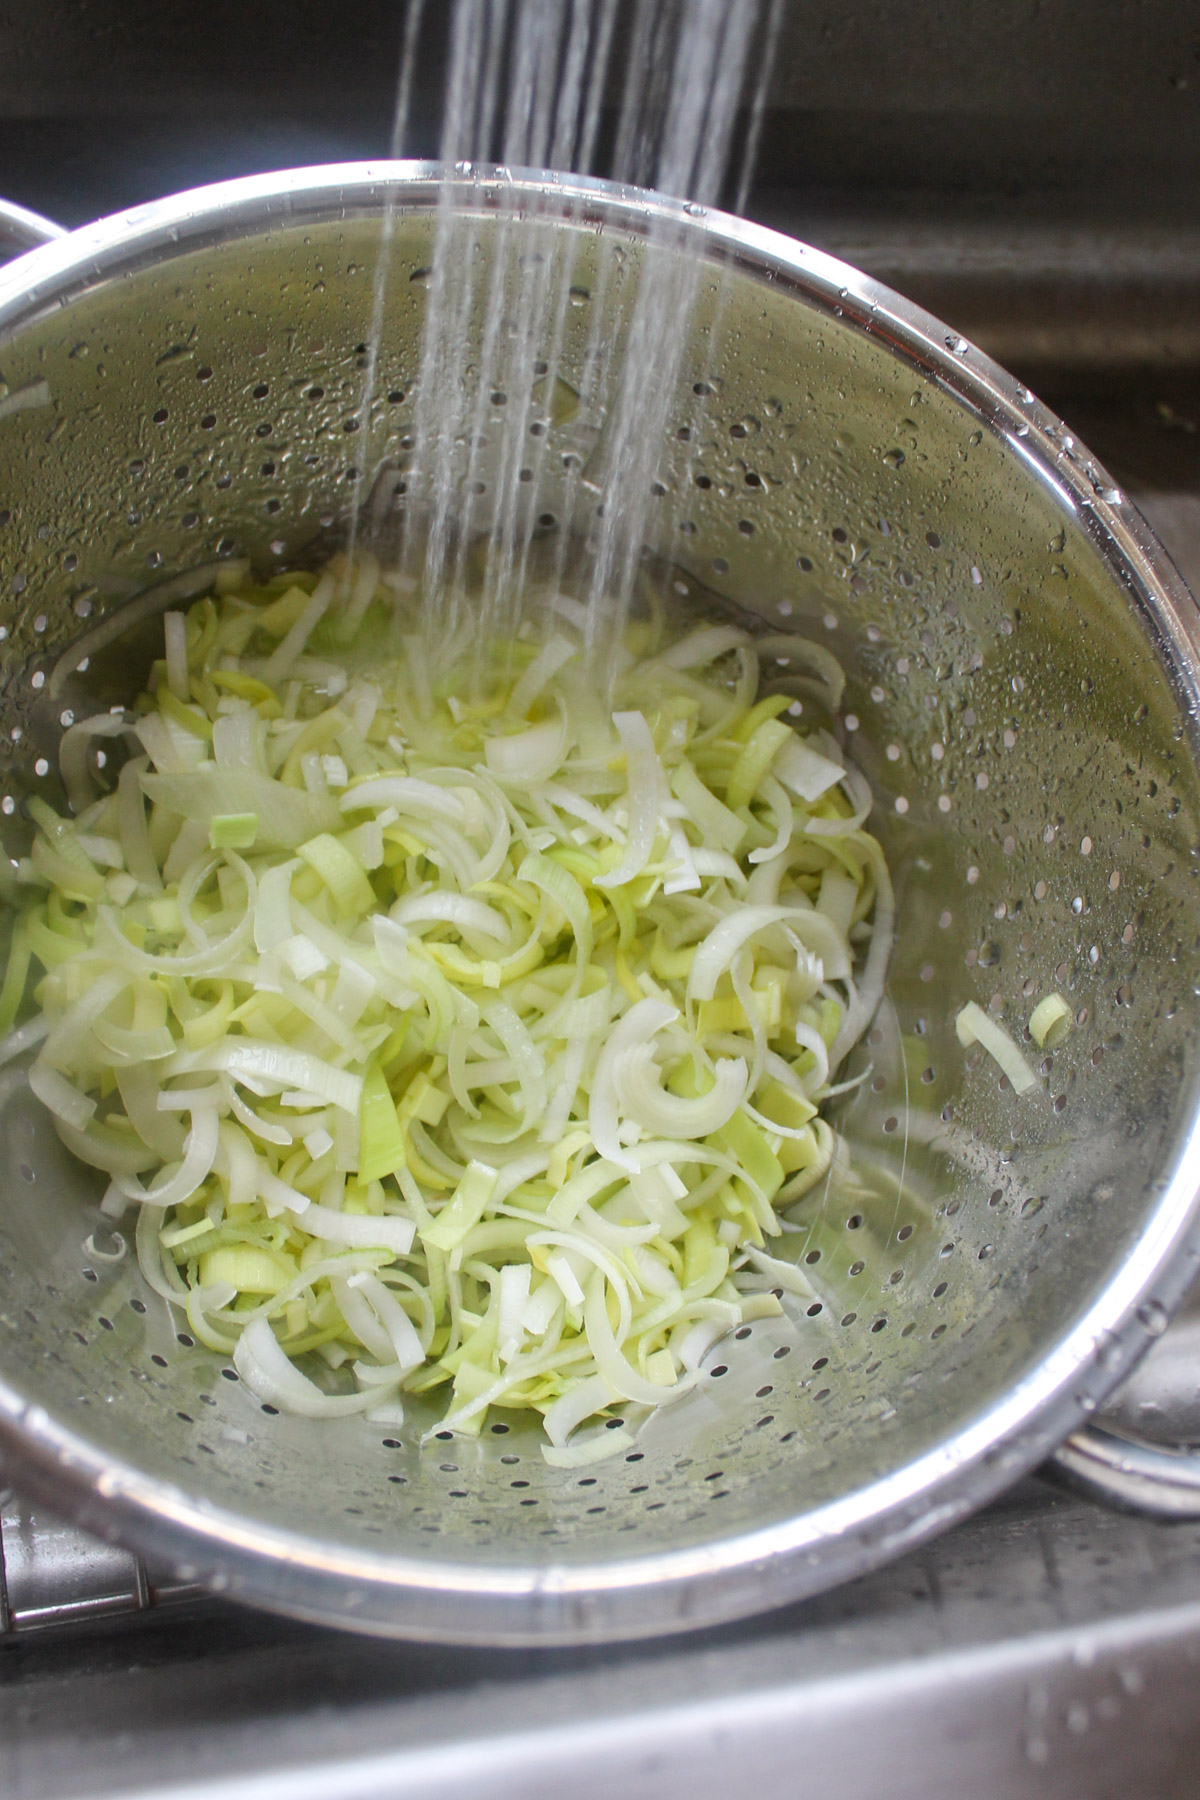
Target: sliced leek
{"points": [[443, 1017]]}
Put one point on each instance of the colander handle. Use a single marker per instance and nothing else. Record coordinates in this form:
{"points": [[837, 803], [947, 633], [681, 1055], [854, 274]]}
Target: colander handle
{"points": [[1135, 1477], [21, 230]]}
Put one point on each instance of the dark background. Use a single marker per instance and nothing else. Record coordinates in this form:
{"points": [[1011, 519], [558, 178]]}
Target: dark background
{"points": [[1088, 106]]}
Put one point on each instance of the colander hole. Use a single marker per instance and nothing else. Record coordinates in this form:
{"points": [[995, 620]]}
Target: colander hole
{"points": [[208, 421], [80, 1339], [186, 1417], [139, 1306], [721, 1369], [27, 1174], [392, 1444], [189, 1343], [847, 1318], [928, 1075], [904, 1233], [636, 1456], [742, 1332], [160, 1362], [854, 1222], [107, 1324], [720, 567], [879, 1325], [938, 1331], [510, 1458], [940, 1289], [499, 1430], [890, 1124], [228, 1374], [814, 1309], [519, 1484], [783, 1350], [856, 1268], [159, 415], [261, 391], [272, 1411], [814, 1256], [90, 1275], [399, 1480]]}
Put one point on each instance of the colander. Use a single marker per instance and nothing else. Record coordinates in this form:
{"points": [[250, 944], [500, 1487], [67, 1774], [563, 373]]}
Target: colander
{"points": [[183, 384]]}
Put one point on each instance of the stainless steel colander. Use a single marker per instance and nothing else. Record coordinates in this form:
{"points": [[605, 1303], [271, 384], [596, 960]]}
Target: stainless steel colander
{"points": [[182, 384]]}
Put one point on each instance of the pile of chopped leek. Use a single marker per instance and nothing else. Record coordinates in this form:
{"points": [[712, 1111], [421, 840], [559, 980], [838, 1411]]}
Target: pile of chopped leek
{"points": [[446, 1021]]}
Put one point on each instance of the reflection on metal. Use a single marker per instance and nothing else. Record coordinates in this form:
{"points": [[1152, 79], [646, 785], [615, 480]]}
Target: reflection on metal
{"points": [[22, 230], [52, 1573]]}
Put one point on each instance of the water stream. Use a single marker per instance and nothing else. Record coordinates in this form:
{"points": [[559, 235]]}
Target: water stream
{"points": [[653, 92]]}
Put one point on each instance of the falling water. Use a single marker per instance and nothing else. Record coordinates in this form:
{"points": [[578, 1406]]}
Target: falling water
{"points": [[526, 83]]}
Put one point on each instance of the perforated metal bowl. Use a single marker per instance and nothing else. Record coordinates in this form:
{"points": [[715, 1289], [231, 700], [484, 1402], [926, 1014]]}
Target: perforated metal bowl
{"points": [[182, 385]]}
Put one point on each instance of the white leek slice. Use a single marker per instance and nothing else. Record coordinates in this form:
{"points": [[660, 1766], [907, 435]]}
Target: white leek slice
{"points": [[975, 1027], [286, 816], [1050, 1021]]}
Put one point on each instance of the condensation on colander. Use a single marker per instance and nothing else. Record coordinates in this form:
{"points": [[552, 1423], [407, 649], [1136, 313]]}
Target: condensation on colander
{"points": [[1037, 798]]}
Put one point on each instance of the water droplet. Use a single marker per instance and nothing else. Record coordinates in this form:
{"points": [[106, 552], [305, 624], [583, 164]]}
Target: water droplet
{"points": [[1113, 495], [1153, 1315]]}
